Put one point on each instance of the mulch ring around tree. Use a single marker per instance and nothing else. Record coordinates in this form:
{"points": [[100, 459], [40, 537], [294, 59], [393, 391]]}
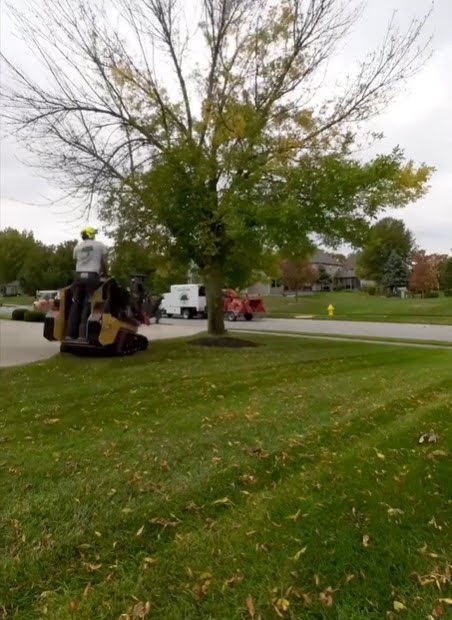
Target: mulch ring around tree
{"points": [[223, 341]]}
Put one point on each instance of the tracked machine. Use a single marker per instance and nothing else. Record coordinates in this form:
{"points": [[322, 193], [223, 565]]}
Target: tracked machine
{"points": [[110, 319]]}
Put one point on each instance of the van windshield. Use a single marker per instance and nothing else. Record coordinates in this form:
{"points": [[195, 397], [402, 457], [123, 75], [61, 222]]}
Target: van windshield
{"points": [[202, 291], [45, 295]]}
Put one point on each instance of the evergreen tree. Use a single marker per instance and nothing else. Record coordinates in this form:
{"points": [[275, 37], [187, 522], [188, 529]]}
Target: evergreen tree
{"points": [[396, 272]]}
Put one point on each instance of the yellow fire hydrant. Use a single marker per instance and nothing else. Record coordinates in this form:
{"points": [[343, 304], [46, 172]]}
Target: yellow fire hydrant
{"points": [[330, 310]]}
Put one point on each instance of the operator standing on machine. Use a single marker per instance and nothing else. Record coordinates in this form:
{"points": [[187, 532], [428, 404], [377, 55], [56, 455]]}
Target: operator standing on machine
{"points": [[90, 256]]}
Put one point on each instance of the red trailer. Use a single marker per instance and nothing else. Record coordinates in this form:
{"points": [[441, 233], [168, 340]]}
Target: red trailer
{"points": [[247, 307]]}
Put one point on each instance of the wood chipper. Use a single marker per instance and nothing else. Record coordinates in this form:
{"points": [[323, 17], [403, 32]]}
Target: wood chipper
{"points": [[248, 307]]}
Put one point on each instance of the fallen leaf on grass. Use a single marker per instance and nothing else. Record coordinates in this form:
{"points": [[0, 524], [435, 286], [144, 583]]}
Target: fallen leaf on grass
{"points": [[295, 516], [50, 421], [93, 567], [87, 590], [393, 512], [437, 453], [140, 611], [398, 606], [428, 438], [299, 554], [224, 501], [140, 531], [446, 601], [326, 597], [436, 613], [366, 540], [147, 562], [250, 607], [232, 581], [201, 587], [281, 605]]}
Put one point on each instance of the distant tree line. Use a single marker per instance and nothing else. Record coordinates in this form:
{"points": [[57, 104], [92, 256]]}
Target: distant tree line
{"points": [[35, 265]]}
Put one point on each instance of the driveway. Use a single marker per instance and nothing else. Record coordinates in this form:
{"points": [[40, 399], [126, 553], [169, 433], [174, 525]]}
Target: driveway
{"points": [[22, 343]]}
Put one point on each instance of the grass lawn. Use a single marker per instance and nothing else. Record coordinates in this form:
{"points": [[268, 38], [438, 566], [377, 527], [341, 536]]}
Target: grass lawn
{"points": [[22, 300], [363, 307], [279, 481]]}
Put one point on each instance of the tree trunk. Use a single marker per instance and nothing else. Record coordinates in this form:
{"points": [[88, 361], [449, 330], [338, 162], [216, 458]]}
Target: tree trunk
{"points": [[214, 290]]}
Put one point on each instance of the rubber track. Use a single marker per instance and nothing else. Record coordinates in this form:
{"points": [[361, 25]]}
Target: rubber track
{"points": [[134, 343]]}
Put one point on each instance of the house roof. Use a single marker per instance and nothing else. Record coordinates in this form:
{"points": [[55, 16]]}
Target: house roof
{"points": [[323, 258]]}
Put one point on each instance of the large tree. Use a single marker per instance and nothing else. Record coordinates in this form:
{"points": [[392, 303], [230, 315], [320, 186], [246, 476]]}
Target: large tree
{"points": [[194, 122], [396, 272], [424, 273], [386, 236], [298, 273], [15, 247]]}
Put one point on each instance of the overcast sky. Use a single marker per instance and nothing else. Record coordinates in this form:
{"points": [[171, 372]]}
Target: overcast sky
{"points": [[420, 121]]}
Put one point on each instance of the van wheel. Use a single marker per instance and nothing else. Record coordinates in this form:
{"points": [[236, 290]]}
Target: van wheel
{"points": [[248, 316], [186, 313], [232, 316]]}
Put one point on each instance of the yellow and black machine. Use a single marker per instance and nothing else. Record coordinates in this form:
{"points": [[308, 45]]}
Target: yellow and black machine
{"points": [[109, 322]]}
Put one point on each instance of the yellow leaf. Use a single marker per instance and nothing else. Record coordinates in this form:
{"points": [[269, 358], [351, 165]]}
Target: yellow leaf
{"points": [[398, 606], [299, 554], [295, 516], [140, 531], [281, 605], [392, 512], [447, 601], [224, 501], [366, 540]]}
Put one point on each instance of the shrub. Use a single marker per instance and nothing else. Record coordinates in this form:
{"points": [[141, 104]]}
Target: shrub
{"points": [[19, 314], [448, 292], [431, 295], [34, 317], [370, 289]]}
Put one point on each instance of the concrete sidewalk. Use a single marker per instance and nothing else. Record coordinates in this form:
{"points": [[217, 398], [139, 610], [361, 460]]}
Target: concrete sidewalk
{"points": [[23, 343]]}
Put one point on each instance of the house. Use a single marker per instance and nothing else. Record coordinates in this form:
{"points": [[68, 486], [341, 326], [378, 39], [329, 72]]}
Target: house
{"points": [[341, 274], [345, 277], [11, 289], [272, 287]]}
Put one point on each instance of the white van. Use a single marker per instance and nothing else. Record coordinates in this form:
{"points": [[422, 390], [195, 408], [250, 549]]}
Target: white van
{"points": [[186, 300]]}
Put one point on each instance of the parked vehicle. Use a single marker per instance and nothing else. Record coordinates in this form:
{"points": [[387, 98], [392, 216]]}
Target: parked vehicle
{"points": [[186, 300], [190, 301], [247, 307], [45, 300]]}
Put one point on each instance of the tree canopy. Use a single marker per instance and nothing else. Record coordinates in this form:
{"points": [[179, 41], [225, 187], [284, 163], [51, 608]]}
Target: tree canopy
{"points": [[386, 236], [34, 264], [214, 151]]}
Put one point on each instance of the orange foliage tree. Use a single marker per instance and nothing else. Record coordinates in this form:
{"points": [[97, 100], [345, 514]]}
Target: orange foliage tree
{"points": [[424, 275]]}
